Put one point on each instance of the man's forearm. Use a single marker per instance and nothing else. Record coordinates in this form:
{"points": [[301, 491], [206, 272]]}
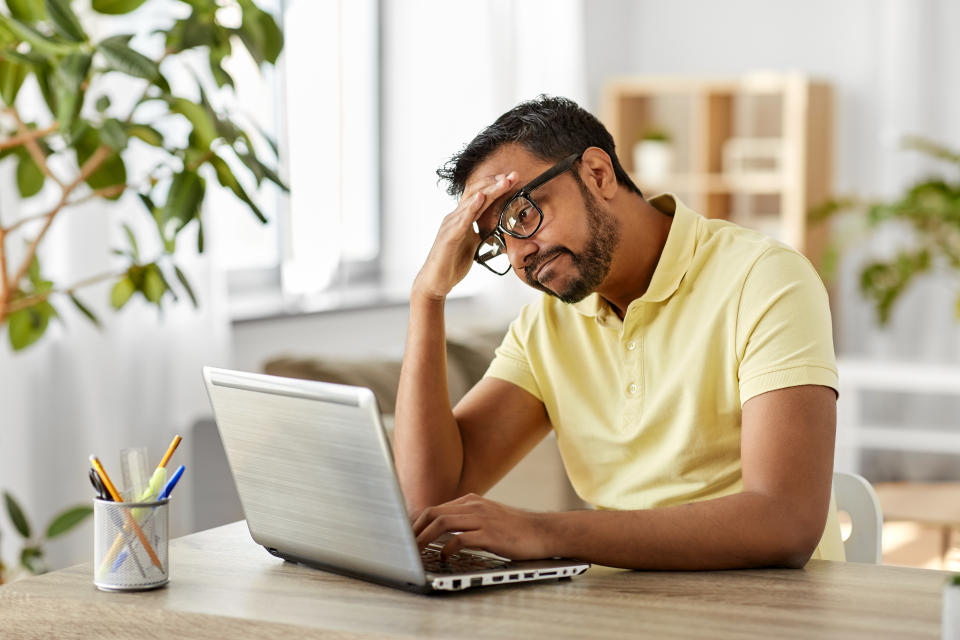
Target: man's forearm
{"points": [[737, 531], [427, 446]]}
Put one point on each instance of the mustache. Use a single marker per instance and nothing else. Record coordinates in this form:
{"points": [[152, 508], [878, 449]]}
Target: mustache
{"points": [[541, 258]]}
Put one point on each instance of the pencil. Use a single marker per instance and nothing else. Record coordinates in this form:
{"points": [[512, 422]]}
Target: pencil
{"points": [[112, 490], [170, 450]]}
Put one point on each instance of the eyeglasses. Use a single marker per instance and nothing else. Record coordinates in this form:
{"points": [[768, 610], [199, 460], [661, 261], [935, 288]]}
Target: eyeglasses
{"points": [[520, 217]]}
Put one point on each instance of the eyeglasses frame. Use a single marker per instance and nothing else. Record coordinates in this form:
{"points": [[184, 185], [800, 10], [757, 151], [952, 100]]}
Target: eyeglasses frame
{"points": [[525, 192]]}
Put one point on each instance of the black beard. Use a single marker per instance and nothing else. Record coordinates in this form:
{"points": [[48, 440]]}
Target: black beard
{"points": [[593, 263]]}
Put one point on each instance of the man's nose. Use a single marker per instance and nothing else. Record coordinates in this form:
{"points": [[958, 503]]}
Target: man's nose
{"points": [[521, 250]]}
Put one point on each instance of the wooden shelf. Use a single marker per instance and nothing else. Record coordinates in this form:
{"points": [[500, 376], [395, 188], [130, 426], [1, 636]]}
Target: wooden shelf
{"points": [[703, 116], [729, 183]]}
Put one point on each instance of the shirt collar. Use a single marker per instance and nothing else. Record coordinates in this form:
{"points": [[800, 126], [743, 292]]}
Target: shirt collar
{"points": [[674, 260]]}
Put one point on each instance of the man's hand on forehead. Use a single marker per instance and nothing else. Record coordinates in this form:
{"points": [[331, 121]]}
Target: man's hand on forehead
{"points": [[497, 189]]}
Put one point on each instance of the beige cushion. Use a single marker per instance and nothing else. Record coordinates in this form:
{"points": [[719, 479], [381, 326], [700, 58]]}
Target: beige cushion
{"points": [[468, 357]]}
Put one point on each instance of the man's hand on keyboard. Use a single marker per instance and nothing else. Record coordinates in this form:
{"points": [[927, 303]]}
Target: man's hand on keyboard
{"points": [[484, 524]]}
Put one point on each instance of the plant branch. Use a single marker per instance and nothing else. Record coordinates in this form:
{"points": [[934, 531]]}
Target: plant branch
{"points": [[30, 144], [105, 192], [22, 138], [29, 301], [92, 164]]}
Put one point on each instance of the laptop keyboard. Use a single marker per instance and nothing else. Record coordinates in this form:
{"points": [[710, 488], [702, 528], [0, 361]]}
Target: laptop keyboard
{"points": [[463, 562]]}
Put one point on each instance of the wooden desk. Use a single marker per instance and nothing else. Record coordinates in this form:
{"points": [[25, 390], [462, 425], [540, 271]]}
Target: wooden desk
{"points": [[223, 585]]}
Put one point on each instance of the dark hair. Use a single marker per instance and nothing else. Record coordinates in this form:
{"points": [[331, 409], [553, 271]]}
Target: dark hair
{"points": [[550, 128]]}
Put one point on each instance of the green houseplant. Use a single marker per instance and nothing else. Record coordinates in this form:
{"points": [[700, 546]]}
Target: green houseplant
{"points": [[77, 149], [928, 216]]}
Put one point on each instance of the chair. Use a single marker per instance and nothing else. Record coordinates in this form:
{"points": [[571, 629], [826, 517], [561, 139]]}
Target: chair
{"points": [[856, 497]]}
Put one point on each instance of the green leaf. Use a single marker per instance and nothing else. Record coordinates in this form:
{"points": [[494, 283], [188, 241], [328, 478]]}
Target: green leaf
{"points": [[37, 41], [32, 559], [183, 203], [111, 172], [220, 75], [68, 82], [64, 20], [146, 133], [259, 33], [86, 311], [226, 178], [186, 286], [29, 176], [121, 292], [154, 284], [125, 59], [132, 239], [26, 326], [116, 7], [12, 75], [203, 126], [261, 170], [27, 10], [113, 135], [17, 517], [33, 271], [45, 73], [194, 32], [68, 519]]}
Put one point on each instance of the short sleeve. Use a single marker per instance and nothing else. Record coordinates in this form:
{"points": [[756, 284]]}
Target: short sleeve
{"points": [[510, 360], [784, 330]]}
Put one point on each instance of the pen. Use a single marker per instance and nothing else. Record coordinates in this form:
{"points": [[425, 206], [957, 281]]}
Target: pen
{"points": [[171, 483], [130, 521]]}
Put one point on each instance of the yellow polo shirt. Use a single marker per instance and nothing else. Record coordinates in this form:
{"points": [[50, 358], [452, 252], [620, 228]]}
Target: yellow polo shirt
{"points": [[647, 411]]}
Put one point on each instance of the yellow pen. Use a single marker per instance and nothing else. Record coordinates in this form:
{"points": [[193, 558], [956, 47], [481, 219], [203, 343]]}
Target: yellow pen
{"points": [[112, 490]]}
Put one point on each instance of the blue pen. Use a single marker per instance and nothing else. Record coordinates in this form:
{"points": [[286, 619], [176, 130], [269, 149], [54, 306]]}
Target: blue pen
{"points": [[119, 560], [171, 483]]}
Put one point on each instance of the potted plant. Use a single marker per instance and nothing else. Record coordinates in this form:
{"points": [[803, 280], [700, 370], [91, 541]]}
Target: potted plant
{"points": [[653, 156], [78, 148], [927, 218]]}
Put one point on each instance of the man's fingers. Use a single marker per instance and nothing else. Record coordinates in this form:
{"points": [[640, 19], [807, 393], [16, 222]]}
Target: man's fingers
{"points": [[446, 524], [490, 189]]}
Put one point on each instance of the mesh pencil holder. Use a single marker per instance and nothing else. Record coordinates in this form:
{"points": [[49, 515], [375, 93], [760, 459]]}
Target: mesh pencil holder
{"points": [[130, 545]]}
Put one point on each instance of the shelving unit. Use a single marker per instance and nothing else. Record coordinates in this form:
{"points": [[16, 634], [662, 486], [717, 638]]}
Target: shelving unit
{"points": [[702, 117]]}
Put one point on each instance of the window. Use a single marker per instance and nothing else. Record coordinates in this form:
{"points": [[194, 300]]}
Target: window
{"points": [[322, 104]]}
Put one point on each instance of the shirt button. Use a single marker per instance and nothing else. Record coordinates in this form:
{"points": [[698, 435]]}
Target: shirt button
{"points": [[632, 345], [632, 388]]}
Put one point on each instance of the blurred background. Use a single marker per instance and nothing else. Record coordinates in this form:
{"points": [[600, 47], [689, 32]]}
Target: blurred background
{"points": [[765, 113]]}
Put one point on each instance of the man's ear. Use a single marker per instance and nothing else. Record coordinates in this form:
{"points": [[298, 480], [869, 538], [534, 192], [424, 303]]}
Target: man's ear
{"points": [[597, 172]]}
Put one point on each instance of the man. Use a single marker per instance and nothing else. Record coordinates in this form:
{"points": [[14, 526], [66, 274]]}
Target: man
{"points": [[686, 366]]}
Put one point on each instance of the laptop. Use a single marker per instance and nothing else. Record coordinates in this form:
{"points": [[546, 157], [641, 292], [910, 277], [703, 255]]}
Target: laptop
{"points": [[314, 472]]}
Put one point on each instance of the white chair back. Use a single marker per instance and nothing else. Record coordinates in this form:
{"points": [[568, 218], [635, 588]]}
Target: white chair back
{"points": [[856, 496]]}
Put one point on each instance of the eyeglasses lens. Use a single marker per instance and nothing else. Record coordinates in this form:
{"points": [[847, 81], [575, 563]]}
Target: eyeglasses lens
{"points": [[493, 255], [520, 218]]}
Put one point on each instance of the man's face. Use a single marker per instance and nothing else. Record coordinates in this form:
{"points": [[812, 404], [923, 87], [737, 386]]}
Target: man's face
{"points": [[570, 255]]}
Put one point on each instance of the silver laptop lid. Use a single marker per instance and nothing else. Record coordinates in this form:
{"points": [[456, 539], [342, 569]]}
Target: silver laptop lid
{"points": [[314, 472]]}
